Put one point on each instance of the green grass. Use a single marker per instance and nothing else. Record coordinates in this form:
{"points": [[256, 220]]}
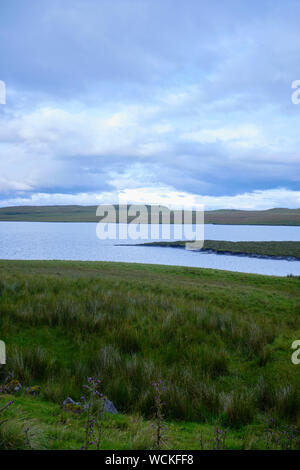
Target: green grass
{"points": [[278, 216], [56, 429], [220, 341], [268, 249]]}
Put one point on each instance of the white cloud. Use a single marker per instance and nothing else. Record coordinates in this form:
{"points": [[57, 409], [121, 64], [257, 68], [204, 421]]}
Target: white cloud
{"points": [[45, 199], [256, 200], [247, 134], [10, 185], [191, 99], [175, 99]]}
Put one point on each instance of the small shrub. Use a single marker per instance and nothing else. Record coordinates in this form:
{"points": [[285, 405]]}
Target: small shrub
{"points": [[238, 409], [287, 402], [265, 394], [18, 433], [127, 340], [30, 364]]}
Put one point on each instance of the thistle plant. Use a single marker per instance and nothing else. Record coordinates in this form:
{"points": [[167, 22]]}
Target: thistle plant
{"points": [[159, 426], [201, 441], [28, 436], [219, 439], [2, 411], [94, 404], [270, 432]]}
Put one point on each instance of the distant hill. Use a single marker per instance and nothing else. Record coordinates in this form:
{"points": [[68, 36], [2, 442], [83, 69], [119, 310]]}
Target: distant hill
{"points": [[266, 217], [278, 216]]}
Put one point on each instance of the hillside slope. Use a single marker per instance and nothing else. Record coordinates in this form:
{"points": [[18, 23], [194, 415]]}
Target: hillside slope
{"points": [[88, 214]]}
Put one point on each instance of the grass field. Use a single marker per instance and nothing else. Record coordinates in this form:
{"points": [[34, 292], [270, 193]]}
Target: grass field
{"points": [[219, 341], [88, 214], [268, 249]]}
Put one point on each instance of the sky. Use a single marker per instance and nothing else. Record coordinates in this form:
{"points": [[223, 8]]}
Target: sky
{"points": [[158, 101]]}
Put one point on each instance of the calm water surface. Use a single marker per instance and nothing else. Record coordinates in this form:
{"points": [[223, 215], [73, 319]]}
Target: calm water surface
{"points": [[78, 241]]}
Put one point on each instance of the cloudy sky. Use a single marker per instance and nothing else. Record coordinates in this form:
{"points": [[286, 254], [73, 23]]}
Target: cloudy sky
{"points": [[160, 101]]}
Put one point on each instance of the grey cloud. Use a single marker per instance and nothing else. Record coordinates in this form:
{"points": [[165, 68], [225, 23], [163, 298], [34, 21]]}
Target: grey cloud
{"points": [[172, 68]]}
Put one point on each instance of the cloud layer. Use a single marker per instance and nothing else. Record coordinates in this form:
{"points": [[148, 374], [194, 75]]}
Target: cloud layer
{"points": [[150, 101]]}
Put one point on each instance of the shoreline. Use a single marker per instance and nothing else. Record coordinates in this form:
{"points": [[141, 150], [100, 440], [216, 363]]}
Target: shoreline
{"points": [[227, 252], [52, 221]]}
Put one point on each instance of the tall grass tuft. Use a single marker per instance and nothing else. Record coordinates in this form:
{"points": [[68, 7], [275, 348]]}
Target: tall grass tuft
{"points": [[29, 364], [237, 408]]}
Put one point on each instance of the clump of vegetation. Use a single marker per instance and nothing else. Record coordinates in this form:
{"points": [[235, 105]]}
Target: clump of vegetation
{"points": [[281, 437], [257, 249], [17, 432], [238, 408]]}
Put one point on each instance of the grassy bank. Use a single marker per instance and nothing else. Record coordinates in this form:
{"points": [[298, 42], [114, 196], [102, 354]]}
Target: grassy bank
{"points": [[88, 214], [220, 342], [267, 249]]}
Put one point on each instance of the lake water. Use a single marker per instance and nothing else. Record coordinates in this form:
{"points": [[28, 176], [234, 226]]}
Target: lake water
{"points": [[78, 241]]}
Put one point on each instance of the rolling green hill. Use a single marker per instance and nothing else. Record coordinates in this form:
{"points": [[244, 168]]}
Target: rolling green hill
{"points": [[88, 214]]}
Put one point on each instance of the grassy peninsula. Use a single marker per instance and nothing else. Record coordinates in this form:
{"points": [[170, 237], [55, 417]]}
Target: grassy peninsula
{"points": [[285, 250]]}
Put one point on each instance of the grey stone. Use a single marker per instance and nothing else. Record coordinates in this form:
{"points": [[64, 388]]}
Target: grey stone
{"points": [[109, 407], [70, 401]]}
